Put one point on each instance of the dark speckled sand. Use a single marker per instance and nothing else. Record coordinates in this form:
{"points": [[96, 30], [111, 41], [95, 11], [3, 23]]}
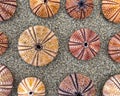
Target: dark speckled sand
{"points": [[99, 69]]}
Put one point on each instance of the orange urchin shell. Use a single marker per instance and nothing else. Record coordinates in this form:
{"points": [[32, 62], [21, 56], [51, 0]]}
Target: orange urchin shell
{"points": [[79, 9], [76, 85], [84, 44], [3, 43], [6, 81], [45, 8], [112, 86], [111, 10], [7, 9], [114, 47], [31, 86], [38, 45]]}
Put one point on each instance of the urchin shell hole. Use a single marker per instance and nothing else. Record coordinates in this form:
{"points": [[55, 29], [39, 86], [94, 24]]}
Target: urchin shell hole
{"points": [[45, 1], [81, 3], [30, 93], [38, 47], [78, 94], [85, 44]]}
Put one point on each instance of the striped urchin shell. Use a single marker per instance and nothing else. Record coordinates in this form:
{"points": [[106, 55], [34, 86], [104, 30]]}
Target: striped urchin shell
{"points": [[114, 47], [111, 10], [112, 86], [38, 45], [31, 86], [7, 9], [45, 8], [76, 85], [84, 44], [79, 9], [3, 43], [6, 81]]}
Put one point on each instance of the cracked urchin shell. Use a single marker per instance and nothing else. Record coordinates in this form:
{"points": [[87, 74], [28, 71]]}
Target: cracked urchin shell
{"points": [[6, 81], [76, 85], [114, 47], [31, 86], [7, 9], [79, 9], [111, 10], [84, 44], [112, 86], [3, 43], [38, 45], [45, 8]]}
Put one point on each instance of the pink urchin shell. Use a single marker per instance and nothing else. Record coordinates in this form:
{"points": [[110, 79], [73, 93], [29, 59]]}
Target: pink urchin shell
{"points": [[84, 44], [76, 85], [114, 47], [6, 81]]}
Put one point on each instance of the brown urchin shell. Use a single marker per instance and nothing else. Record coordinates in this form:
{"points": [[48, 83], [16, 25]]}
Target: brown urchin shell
{"points": [[114, 47], [112, 86], [79, 9], [38, 45], [45, 8], [7, 9], [31, 86], [6, 81], [3, 43], [76, 85], [84, 44], [111, 10]]}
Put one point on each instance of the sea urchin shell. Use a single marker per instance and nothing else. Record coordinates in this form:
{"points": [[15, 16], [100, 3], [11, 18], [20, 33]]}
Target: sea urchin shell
{"points": [[31, 86], [79, 8], [84, 44], [45, 8], [112, 86], [76, 85], [7, 9], [38, 45], [111, 10], [3, 43], [6, 81], [114, 47]]}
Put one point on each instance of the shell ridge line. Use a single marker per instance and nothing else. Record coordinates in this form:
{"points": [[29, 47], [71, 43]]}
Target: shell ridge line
{"points": [[33, 60], [115, 84], [80, 55], [53, 1], [115, 15], [34, 33], [113, 2], [29, 31], [50, 10], [64, 93], [14, 5], [5, 10], [47, 11], [48, 53], [73, 82], [38, 8], [73, 9], [88, 87]]}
